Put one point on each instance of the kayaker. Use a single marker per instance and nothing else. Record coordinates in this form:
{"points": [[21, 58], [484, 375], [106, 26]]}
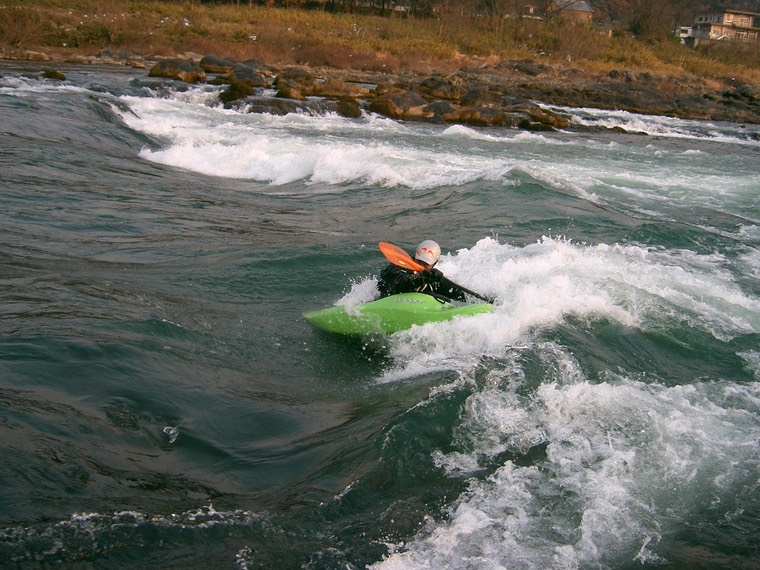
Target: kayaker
{"points": [[394, 279]]}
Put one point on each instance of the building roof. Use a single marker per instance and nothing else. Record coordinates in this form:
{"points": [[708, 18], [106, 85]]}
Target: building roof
{"points": [[574, 6], [727, 11]]}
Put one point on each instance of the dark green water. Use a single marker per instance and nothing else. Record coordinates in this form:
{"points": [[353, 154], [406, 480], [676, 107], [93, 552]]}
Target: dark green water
{"points": [[165, 404]]}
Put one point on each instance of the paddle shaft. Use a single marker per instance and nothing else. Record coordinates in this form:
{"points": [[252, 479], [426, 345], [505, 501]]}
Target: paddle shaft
{"points": [[450, 283]]}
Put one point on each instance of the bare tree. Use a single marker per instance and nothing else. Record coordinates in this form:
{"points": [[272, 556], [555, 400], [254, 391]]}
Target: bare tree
{"points": [[650, 18], [450, 14]]}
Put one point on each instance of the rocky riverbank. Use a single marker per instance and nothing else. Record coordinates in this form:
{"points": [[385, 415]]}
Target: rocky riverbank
{"points": [[503, 95]]}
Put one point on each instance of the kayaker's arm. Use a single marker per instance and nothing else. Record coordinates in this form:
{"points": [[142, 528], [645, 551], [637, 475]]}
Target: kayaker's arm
{"points": [[442, 286], [395, 279]]}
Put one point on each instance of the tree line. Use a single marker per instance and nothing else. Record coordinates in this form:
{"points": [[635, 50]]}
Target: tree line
{"points": [[642, 18]]}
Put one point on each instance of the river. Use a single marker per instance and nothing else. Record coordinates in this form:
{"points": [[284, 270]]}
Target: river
{"points": [[165, 404]]}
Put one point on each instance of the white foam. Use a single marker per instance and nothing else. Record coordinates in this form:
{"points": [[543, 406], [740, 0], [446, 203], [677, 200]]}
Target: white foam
{"points": [[625, 463], [92, 528], [464, 132], [362, 291], [327, 150], [658, 125], [19, 86], [752, 358], [750, 262]]}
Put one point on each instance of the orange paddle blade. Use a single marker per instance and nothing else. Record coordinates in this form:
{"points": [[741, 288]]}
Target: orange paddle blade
{"points": [[398, 256]]}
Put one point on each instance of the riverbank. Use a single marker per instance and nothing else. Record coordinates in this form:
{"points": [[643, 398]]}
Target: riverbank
{"points": [[511, 93]]}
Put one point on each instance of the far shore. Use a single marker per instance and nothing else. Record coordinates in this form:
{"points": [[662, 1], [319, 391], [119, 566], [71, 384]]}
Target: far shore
{"points": [[484, 95]]}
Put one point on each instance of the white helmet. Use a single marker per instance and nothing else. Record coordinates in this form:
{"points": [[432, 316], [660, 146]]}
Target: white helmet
{"points": [[428, 252]]}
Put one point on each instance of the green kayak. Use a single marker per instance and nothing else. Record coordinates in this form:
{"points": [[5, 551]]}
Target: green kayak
{"points": [[391, 314]]}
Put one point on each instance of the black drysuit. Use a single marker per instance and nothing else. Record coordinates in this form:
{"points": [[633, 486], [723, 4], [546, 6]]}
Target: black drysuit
{"points": [[395, 279]]}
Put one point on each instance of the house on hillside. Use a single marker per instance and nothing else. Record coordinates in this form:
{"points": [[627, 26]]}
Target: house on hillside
{"points": [[529, 10], [728, 25], [684, 33], [574, 11]]}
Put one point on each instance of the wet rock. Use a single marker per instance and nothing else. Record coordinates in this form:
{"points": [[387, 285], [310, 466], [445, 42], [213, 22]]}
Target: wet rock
{"points": [[399, 103], [439, 109], [482, 96], [439, 88], [241, 80], [214, 64], [523, 115], [236, 90], [181, 69], [54, 74], [290, 92], [275, 106], [539, 118], [249, 75], [295, 83], [480, 116], [349, 108], [336, 88]]}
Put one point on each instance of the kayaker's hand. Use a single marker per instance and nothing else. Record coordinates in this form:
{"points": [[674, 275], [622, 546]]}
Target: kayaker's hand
{"points": [[434, 275]]}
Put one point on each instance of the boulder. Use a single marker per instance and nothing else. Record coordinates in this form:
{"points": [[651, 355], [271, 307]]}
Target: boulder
{"points": [[349, 107], [246, 73], [181, 69], [54, 74], [502, 96], [539, 119], [236, 90], [527, 116], [283, 106], [214, 64], [241, 81], [400, 104], [481, 117], [296, 80], [336, 88], [745, 93], [290, 92], [439, 88], [482, 96], [438, 109]]}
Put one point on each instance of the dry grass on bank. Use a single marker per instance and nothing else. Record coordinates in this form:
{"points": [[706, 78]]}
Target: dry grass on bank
{"points": [[284, 36]]}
